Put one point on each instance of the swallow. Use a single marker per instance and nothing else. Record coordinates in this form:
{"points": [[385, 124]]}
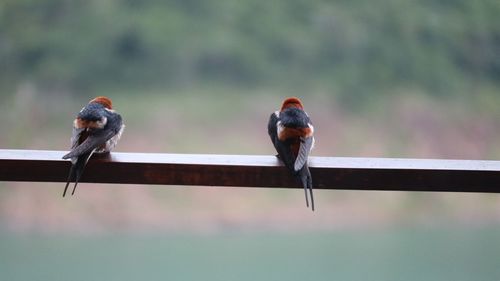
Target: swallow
{"points": [[291, 133], [96, 129]]}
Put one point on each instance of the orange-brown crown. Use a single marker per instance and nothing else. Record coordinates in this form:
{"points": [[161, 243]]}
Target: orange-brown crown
{"points": [[292, 102], [105, 101]]}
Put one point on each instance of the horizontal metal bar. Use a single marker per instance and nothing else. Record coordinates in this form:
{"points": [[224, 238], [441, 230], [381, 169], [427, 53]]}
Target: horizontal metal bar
{"points": [[256, 171]]}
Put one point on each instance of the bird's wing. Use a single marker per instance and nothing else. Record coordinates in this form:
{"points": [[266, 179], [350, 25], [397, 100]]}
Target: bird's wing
{"points": [[306, 145], [94, 140], [271, 127], [284, 151], [75, 137]]}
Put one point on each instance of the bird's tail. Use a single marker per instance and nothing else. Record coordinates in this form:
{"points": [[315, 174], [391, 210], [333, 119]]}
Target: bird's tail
{"points": [[70, 176], [78, 175], [76, 171], [306, 180]]}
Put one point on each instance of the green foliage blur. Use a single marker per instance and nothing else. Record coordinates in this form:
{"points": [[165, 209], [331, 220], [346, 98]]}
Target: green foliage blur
{"points": [[356, 48]]}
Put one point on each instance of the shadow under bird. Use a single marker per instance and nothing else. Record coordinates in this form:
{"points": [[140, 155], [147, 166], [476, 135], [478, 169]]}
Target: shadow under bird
{"points": [[291, 132], [96, 129]]}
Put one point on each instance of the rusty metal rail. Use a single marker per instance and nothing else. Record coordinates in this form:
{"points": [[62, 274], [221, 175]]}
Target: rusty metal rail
{"points": [[257, 171]]}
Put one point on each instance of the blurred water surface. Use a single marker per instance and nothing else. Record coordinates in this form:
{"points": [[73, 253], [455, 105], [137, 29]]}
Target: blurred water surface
{"points": [[391, 254]]}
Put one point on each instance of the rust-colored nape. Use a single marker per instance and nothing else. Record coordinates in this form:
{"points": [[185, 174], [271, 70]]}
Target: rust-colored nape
{"points": [[292, 102], [105, 101]]}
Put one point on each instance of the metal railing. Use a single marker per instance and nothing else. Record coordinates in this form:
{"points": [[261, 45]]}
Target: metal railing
{"points": [[256, 171]]}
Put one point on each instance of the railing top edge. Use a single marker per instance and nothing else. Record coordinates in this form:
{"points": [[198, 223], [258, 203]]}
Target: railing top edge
{"points": [[265, 160]]}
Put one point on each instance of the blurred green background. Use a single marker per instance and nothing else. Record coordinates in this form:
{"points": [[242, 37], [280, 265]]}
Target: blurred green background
{"points": [[379, 78]]}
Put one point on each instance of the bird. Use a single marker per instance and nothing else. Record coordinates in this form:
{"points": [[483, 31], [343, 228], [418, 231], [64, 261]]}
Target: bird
{"points": [[96, 129], [291, 132]]}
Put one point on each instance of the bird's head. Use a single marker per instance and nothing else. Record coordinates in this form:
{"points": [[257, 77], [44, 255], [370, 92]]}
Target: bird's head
{"points": [[105, 101], [292, 102]]}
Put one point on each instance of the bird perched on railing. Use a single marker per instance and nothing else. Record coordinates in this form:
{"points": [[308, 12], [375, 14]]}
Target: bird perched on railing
{"points": [[96, 129], [291, 132]]}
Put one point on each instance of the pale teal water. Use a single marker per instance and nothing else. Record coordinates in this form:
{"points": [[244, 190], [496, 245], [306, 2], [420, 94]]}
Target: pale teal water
{"points": [[453, 254]]}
